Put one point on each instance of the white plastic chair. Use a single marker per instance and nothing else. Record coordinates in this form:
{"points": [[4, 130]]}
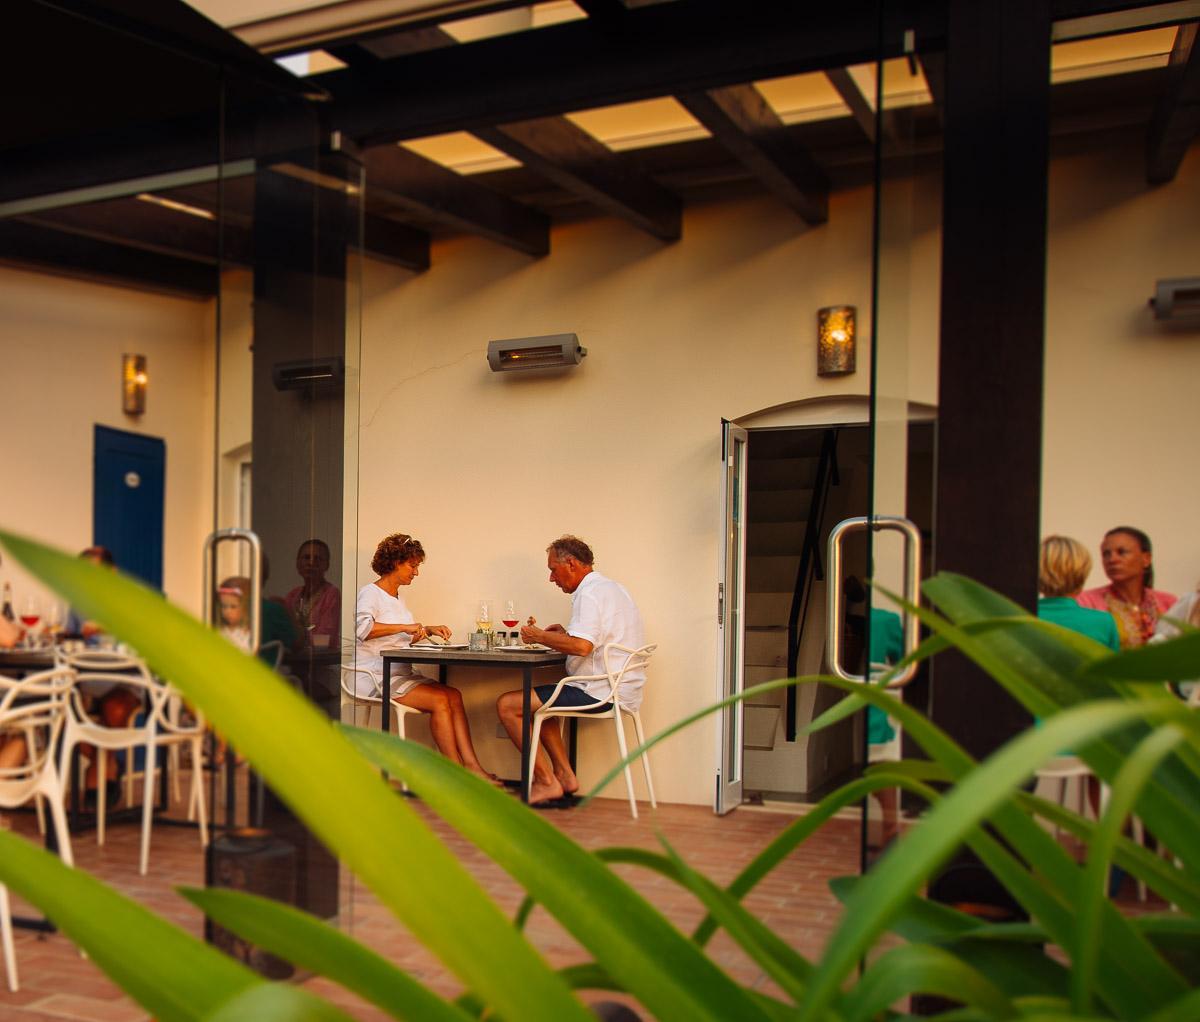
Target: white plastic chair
{"points": [[614, 711], [399, 710], [161, 727], [33, 707]]}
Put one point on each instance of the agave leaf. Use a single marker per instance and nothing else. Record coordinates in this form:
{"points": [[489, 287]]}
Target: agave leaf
{"points": [[1010, 954], [1046, 669], [167, 971], [337, 794], [1093, 888], [277, 1002], [900, 873], [625, 934], [922, 969], [320, 948], [1173, 660]]}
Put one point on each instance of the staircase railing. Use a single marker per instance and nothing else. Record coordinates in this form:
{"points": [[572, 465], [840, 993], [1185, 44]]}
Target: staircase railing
{"points": [[811, 566]]}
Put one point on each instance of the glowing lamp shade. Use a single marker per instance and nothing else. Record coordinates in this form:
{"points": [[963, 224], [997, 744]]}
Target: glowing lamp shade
{"points": [[133, 384], [835, 340]]}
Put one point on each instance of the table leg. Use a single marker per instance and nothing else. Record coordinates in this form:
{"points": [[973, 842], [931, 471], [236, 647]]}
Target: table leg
{"points": [[526, 727], [385, 708]]}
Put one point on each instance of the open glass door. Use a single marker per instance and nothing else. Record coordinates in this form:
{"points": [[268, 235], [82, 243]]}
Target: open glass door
{"points": [[731, 595], [904, 333]]}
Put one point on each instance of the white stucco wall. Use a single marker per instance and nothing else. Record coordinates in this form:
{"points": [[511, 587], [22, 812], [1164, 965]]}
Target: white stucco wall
{"points": [[61, 342], [624, 451], [1122, 413]]}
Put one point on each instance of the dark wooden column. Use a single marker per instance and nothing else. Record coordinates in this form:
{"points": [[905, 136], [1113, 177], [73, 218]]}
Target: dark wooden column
{"points": [[303, 224], [989, 444]]}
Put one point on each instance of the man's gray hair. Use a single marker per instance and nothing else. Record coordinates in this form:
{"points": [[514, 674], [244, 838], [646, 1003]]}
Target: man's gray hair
{"points": [[571, 546]]}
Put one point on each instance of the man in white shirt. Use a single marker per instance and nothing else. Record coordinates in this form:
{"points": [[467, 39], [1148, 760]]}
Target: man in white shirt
{"points": [[602, 612]]}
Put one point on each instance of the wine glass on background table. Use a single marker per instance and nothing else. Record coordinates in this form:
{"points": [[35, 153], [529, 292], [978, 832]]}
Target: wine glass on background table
{"points": [[508, 618], [55, 621], [483, 616], [30, 615]]}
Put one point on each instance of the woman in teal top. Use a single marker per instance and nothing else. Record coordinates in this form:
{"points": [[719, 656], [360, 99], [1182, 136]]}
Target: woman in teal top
{"points": [[1062, 570]]}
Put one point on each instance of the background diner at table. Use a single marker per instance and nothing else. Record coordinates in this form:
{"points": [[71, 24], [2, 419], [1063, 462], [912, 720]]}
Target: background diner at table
{"points": [[383, 620], [602, 612]]}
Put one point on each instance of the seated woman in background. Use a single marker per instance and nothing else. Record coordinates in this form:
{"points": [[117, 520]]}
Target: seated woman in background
{"points": [[382, 619], [1127, 558], [1187, 610], [1063, 567]]}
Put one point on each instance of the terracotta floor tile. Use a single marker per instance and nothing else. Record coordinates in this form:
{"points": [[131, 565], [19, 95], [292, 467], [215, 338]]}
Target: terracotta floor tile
{"points": [[57, 983]]}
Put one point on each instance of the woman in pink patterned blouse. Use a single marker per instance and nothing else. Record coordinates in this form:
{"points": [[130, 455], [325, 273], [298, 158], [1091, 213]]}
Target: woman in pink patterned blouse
{"points": [[1127, 558]]}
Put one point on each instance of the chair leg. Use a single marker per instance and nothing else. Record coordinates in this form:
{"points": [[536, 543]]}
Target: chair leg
{"points": [[41, 814], [641, 737], [62, 833], [196, 806], [6, 938], [620, 724], [398, 716], [173, 765], [147, 807], [535, 733], [101, 793]]}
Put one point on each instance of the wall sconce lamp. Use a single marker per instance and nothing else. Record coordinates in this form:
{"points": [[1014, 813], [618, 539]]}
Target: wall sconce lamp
{"points": [[554, 351], [835, 340], [1176, 298], [133, 384]]}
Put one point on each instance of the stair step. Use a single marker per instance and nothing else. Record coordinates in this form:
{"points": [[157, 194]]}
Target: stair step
{"points": [[782, 473], [775, 538], [791, 505], [772, 574]]}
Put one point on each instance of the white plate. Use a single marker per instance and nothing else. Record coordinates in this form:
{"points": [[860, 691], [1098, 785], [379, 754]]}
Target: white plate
{"points": [[533, 647], [434, 645]]}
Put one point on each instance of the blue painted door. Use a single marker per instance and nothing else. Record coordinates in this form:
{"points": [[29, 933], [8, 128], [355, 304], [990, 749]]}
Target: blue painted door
{"points": [[129, 472]]}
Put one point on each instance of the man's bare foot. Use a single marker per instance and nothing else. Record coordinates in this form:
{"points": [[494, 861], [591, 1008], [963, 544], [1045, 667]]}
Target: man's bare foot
{"points": [[568, 780], [545, 791]]}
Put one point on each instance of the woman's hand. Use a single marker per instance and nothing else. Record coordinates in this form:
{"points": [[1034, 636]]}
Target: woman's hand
{"points": [[417, 631], [441, 630]]}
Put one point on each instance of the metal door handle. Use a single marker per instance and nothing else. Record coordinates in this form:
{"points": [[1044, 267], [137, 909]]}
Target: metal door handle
{"points": [[833, 593], [255, 608]]}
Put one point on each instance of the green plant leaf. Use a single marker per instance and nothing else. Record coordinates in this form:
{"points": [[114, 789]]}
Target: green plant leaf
{"points": [[625, 934], [922, 969], [1047, 668], [277, 1002], [1173, 660], [1186, 1007], [334, 791], [1094, 885], [320, 948], [167, 971], [900, 873]]}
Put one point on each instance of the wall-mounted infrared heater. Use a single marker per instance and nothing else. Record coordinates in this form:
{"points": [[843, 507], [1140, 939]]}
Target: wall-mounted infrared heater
{"points": [[554, 351]]}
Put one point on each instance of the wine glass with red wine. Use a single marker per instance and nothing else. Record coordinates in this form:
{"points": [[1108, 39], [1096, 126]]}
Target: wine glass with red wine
{"points": [[509, 618]]}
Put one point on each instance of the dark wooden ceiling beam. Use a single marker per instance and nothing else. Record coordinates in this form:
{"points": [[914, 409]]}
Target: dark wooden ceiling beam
{"points": [[846, 87], [741, 119], [401, 180], [1177, 117], [398, 244], [44, 249], [146, 226], [565, 154], [664, 49]]}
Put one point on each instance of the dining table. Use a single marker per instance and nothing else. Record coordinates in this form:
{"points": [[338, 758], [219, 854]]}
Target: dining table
{"points": [[509, 658]]}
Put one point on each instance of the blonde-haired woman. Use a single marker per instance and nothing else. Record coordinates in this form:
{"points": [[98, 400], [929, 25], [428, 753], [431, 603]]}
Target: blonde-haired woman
{"points": [[1063, 567]]}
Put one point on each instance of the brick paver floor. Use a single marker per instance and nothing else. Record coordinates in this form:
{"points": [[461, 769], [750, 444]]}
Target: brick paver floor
{"points": [[57, 983]]}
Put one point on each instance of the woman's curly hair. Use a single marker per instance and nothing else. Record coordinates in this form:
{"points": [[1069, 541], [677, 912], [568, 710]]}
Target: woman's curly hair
{"points": [[393, 550]]}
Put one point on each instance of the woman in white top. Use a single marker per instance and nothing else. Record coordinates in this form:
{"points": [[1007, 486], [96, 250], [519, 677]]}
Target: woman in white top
{"points": [[382, 620]]}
